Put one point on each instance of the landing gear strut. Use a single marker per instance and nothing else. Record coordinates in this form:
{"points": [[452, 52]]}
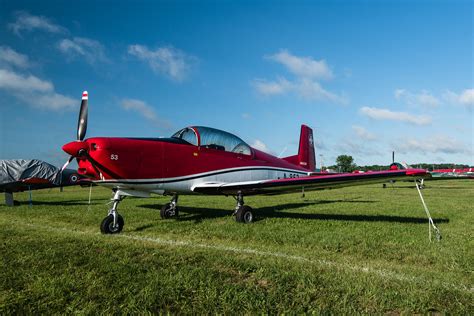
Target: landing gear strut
{"points": [[242, 213], [170, 209], [113, 223]]}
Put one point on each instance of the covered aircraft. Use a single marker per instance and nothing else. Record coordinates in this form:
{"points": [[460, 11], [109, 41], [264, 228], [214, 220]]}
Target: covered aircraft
{"points": [[17, 175]]}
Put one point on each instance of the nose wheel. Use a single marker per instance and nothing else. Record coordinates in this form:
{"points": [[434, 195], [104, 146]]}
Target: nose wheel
{"points": [[113, 222], [109, 227]]}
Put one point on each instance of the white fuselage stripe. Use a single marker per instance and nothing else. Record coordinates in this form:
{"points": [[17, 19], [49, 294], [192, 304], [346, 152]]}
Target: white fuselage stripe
{"points": [[204, 174], [186, 184]]}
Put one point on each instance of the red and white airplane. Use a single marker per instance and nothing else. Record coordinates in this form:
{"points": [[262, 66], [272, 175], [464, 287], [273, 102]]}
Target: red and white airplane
{"points": [[202, 160]]}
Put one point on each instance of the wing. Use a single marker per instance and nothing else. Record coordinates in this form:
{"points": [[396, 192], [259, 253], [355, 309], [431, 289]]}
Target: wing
{"points": [[318, 182]]}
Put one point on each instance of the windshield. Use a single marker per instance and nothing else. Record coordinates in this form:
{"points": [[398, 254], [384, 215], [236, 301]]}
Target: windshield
{"points": [[213, 139], [188, 135], [220, 140]]}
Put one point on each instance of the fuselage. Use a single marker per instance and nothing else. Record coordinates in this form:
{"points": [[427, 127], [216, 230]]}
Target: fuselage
{"points": [[170, 165]]}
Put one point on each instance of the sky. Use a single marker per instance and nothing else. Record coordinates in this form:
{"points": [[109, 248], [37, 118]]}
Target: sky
{"points": [[370, 77]]}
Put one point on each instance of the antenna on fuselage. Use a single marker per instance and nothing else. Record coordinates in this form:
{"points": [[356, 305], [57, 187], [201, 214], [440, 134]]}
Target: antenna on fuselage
{"points": [[282, 152]]}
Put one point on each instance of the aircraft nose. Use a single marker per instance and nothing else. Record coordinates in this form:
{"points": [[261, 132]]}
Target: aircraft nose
{"points": [[73, 148]]}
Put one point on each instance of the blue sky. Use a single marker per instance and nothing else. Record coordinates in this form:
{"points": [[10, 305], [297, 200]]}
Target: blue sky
{"points": [[369, 77]]}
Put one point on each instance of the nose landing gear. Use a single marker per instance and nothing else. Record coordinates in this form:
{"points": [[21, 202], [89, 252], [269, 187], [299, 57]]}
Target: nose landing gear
{"points": [[113, 222]]}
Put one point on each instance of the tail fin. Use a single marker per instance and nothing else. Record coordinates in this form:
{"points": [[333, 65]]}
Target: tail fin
{"points": [[306, 157]]}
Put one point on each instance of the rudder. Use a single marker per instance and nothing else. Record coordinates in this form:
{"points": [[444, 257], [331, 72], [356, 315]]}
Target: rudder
{"points": [[306, 157]]}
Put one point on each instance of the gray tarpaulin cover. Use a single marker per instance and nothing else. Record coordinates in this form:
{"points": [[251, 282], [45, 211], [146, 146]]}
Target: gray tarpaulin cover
{"points": [[19, 169]]}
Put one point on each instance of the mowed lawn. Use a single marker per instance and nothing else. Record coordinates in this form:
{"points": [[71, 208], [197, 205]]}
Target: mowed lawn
{"points": [[360, 249]]}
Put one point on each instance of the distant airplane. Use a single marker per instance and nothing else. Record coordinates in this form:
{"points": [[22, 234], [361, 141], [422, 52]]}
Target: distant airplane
{"points": [[466, 173], [441, 174], [17, 175], [202, 160]]}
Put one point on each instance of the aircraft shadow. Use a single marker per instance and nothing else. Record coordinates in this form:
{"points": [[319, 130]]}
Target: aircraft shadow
{"points": [[198, 213], [63, 203], [269, 212]]}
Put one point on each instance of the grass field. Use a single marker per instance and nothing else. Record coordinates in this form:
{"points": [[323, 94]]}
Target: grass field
{"points": [[361, 249]]}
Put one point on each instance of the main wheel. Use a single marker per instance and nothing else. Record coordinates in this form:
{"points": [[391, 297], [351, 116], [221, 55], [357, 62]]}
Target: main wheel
{"points": [[107, 225], [167, 211], [244, 214]]}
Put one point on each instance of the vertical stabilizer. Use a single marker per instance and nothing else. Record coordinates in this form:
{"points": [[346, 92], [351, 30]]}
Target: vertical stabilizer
{"points": [[306, 157]]}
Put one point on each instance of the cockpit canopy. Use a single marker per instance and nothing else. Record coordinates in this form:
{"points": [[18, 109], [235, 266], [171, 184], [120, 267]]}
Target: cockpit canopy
{"points": [[208, 137]]}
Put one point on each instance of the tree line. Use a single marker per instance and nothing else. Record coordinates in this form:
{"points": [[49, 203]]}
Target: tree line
{"points": [[345, 163]]}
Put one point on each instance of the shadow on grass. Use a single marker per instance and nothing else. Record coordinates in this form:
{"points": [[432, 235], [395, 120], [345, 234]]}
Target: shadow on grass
{"points": [[59, 203], [280, 211], [143, 227], [268, 212]]}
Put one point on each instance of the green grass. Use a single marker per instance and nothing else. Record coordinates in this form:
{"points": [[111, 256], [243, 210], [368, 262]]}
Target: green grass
{"points": [[362, 249]]}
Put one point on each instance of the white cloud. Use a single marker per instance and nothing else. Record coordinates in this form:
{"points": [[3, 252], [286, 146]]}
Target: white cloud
{"points": [[303, 67], [265, 87], [423, 98], [259, 145], [312, 90], [34, 91], [87, 48], [304, 88], [352, 147], [399, 93], [465, 98], [438, 144], [168, 61], [8, 56], [385, 114], [27, 22], [363, 133], [50, 101], [13, 81], [246, 116], [307, 72], [145, 110]]}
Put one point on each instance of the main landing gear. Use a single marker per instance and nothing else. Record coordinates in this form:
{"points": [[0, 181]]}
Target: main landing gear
{"points": [[170, 209], [113, 223], [243, 213]]}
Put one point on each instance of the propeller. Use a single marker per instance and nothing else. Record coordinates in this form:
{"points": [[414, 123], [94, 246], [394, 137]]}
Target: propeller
{"points": [[82, 121], [81, 128], [67, 163]]}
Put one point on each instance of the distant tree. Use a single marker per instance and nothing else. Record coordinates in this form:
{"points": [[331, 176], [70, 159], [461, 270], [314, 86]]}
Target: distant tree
{"points": [[345, 163]]}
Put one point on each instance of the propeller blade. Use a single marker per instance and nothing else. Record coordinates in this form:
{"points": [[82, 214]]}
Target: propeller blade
{"points": [[67, 163], [82, 122], [61, 172]]}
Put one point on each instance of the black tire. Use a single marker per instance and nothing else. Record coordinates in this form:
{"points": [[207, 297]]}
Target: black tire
{"points": [[244, 215], [107, 225], [167, 211]]}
